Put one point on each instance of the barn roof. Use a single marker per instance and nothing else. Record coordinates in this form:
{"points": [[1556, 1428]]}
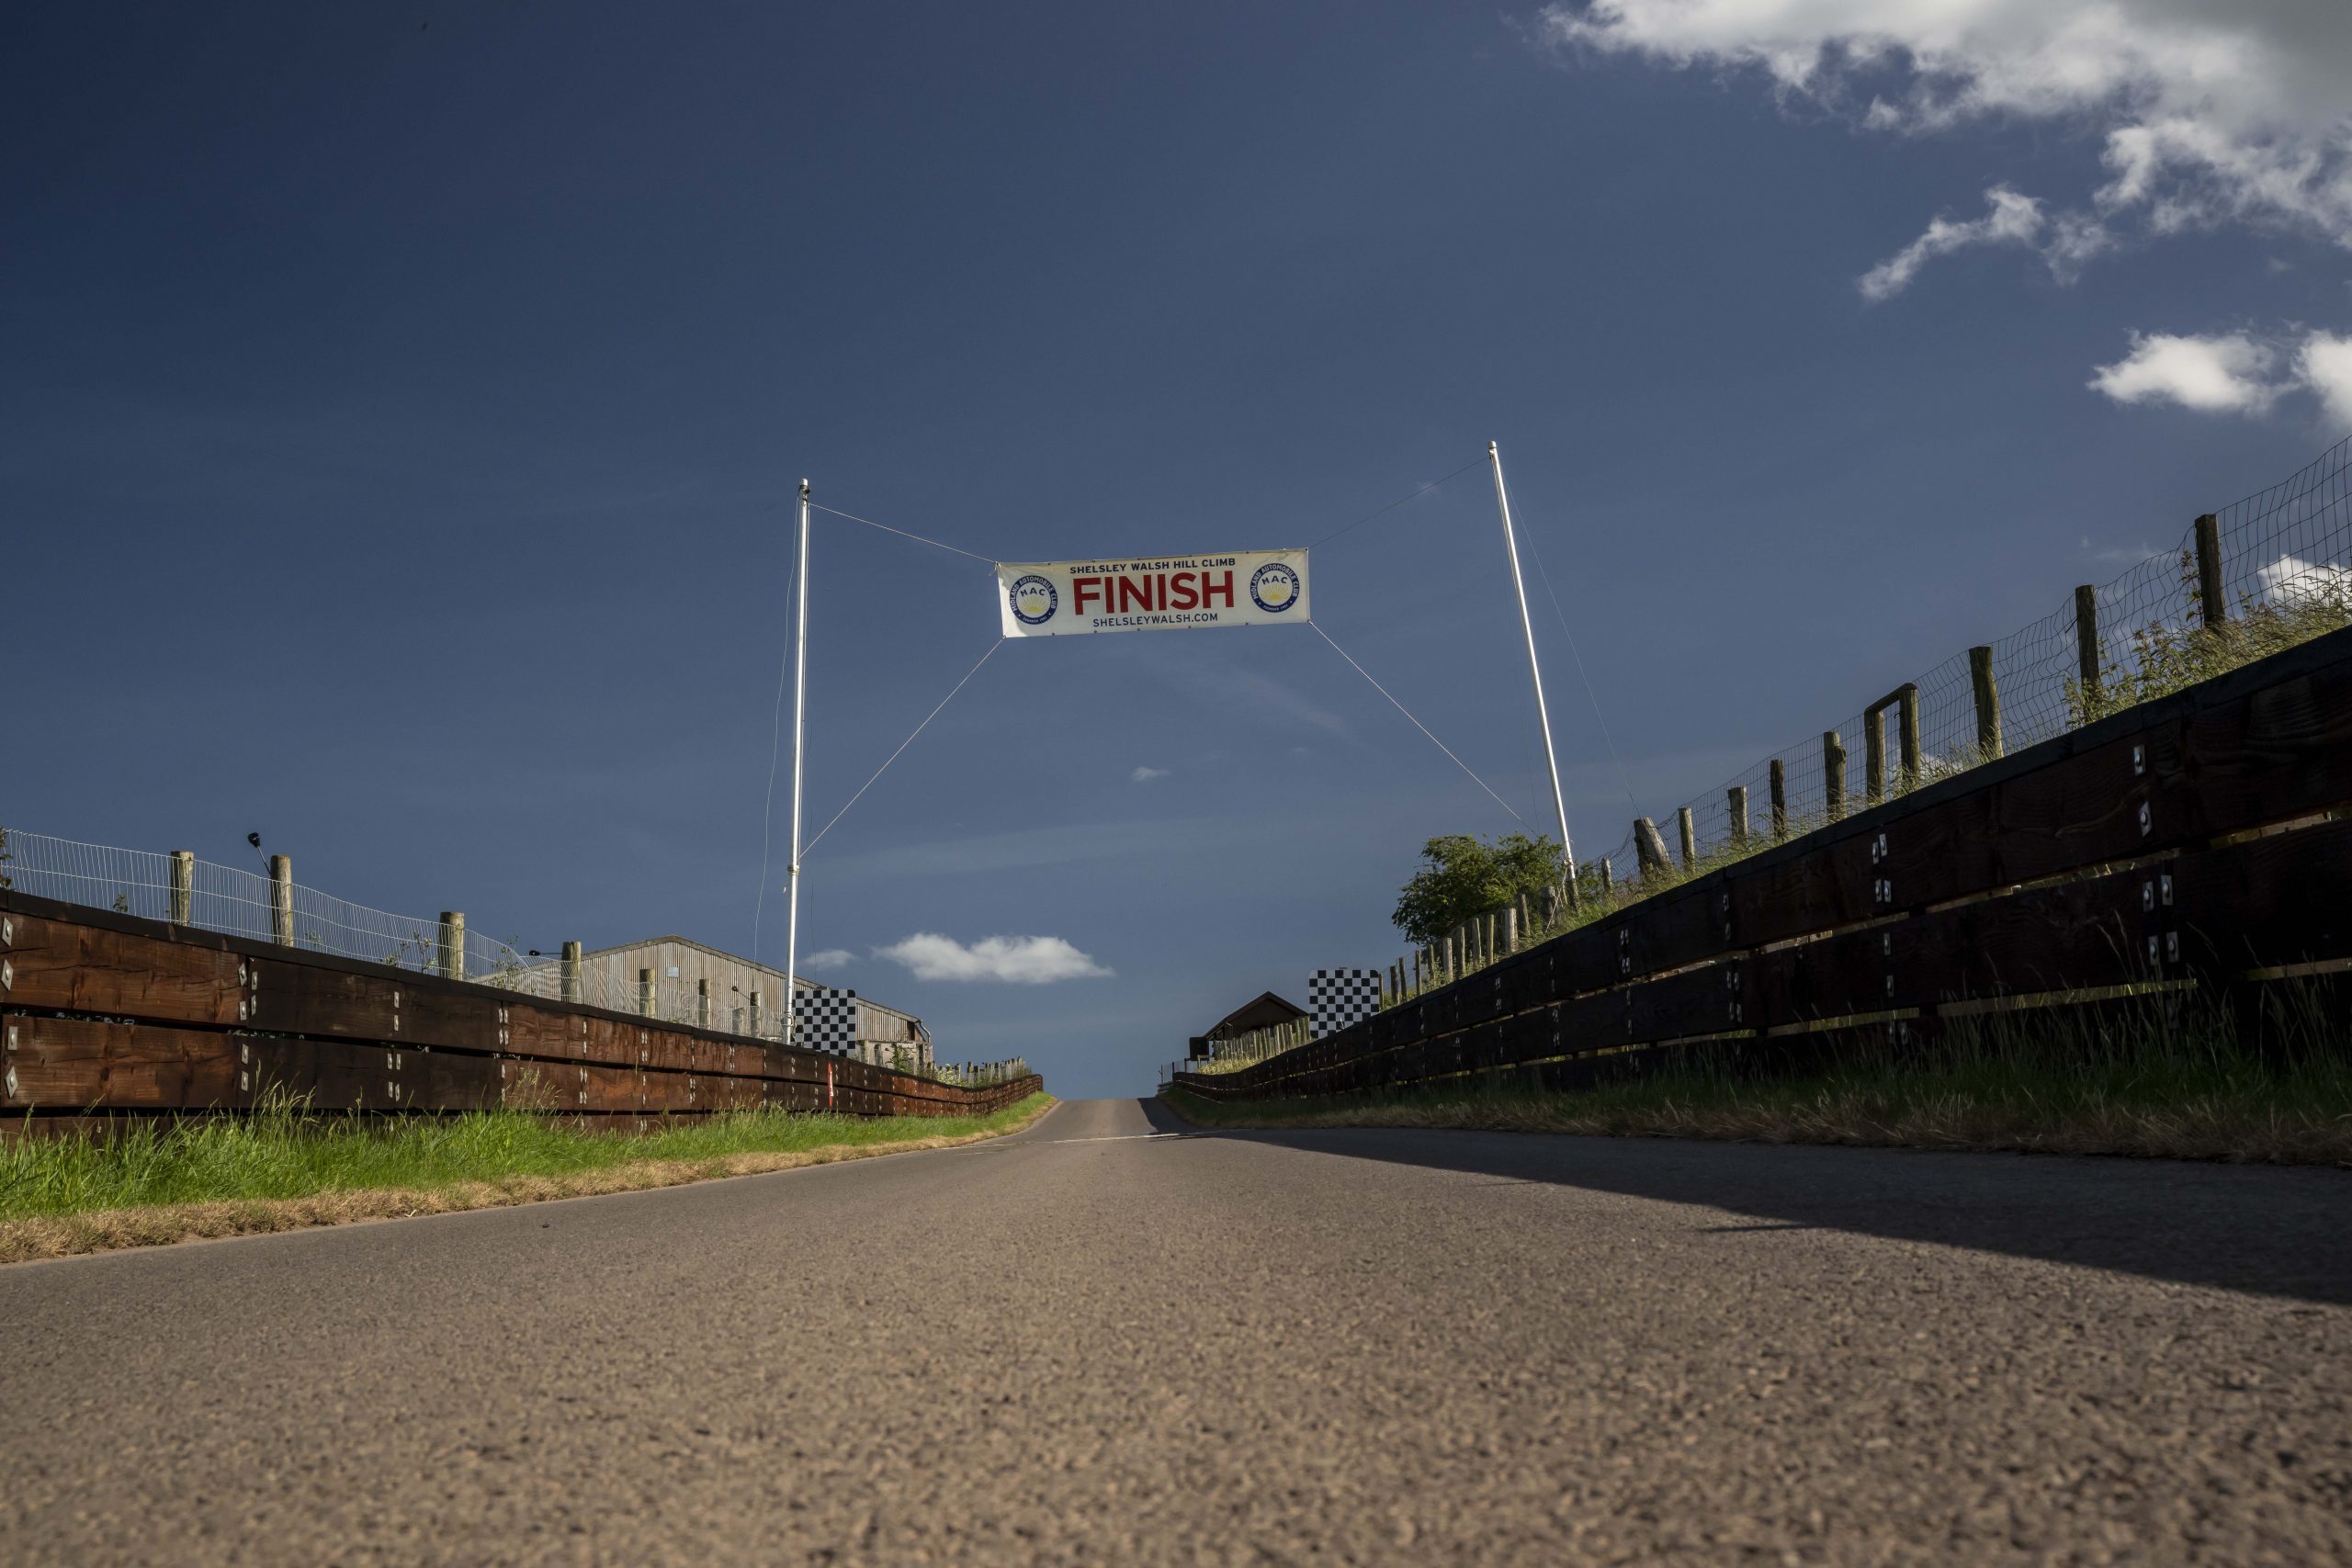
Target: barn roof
{"points": [[1262, 1011]]}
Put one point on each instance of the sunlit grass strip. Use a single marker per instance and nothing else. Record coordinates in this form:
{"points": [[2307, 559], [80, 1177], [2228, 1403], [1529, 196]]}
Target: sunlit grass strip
{"points": [[2062, 1081], [284, 1168]]}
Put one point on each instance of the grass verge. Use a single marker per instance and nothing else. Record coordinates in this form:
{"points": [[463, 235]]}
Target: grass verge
{"points": [[2075, 1085], [285, 1169]]}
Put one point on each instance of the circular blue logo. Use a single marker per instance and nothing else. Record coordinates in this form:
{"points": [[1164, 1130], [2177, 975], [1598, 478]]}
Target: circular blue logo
{"points": [[1273, 588], [1033, 600]]}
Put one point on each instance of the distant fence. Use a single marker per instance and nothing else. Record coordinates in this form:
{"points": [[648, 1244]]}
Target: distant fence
{"points": [[2200, 839], [115, 1012], [179, 889]]}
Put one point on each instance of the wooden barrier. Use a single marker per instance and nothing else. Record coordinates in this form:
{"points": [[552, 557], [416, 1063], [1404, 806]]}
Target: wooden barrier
{"points": [[2197, 838], [106, 1012]]}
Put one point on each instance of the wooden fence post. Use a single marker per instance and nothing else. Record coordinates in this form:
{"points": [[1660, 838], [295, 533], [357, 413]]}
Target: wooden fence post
{"points": [[1904, 700], [1833, 774], [281, 900], [2086, 659], [449, 961], [1649, 847], [645, 992], [702, 1003], [1688, 833], [1511, 929], [1779, 788], [1906, 725], [753, 998], [2212, 608], [183, 886], [1988, 703], [1874, 755], [569, 972], [1608, 877], [1735, 807]]}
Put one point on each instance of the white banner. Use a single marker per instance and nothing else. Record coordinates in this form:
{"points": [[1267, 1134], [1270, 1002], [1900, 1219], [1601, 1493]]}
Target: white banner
{"points": [[1260, 588]]}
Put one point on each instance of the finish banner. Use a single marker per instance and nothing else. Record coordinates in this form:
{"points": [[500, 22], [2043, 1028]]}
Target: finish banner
{"points": [[1262, 588]]}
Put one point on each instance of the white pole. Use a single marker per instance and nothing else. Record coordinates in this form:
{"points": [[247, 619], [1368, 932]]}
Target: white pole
{"points": [[1543, 714], [799, 731]]}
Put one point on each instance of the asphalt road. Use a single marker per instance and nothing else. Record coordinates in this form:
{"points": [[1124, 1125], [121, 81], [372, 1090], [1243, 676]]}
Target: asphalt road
{"points": [[1093, 1345]]}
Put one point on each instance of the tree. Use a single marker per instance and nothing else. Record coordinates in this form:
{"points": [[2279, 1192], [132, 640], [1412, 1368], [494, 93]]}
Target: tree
{"points": [[1461, 876]]}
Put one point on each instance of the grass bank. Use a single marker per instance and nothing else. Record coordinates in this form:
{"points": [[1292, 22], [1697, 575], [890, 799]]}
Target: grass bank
{"points": [[285, 1169], [2051, 1085]]}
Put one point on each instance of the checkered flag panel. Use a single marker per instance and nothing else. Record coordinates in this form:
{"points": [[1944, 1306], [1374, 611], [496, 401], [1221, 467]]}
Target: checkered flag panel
{"points": [[1339, 998], [825, 1020]]}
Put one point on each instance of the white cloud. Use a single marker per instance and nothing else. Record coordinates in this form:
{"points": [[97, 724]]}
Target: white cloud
{"points": [[2324, 365], [2291, 578], [2209, 114], [2234, 373], [830, 958], [2229, 374], [2010, 220], [1144, 775], [1018, 960]]}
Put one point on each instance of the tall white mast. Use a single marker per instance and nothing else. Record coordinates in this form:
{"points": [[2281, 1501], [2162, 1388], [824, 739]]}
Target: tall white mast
{"points": [[799, 731], [1543, 714]]}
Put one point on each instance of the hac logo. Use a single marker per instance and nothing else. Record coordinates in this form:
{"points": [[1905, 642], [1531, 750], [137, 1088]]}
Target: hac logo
{"points": [[1033, 600], [1273, 588]]}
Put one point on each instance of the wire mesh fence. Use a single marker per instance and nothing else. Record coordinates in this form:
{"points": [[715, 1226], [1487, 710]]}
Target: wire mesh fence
{"points": [[179, 888]]}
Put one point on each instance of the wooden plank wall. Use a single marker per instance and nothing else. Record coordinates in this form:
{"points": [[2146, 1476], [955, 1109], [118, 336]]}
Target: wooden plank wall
{"points": [[112, 1012], [2200, 837]]}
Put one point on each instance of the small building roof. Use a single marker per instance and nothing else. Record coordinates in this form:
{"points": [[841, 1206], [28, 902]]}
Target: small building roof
{"points": [[1263, 1012]]}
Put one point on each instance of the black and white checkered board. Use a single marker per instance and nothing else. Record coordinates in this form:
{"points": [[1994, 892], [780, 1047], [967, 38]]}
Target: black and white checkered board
{"points": [[825, 1020], [1339, 998]]}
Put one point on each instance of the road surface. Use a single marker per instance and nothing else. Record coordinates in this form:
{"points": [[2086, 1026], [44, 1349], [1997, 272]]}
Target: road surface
{"points": [[1101, 1343]]}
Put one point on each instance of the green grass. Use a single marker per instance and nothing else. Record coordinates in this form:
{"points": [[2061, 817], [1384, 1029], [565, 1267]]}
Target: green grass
{"points": [[284, 1152], [2139, 1078]]}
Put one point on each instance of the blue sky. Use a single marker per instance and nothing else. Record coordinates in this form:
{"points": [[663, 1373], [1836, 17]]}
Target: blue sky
{"points": [[403, 412]]}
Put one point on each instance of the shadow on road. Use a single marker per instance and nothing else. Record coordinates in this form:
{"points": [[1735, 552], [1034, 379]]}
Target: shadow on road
{"points": [[2264, 1230]]}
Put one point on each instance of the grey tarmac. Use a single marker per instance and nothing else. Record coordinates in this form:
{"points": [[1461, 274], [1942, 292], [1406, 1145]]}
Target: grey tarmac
{"points": [[1112, 1340]]}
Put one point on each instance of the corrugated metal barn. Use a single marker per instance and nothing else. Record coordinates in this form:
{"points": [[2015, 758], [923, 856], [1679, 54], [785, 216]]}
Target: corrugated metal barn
{"points": [[698, 983]]}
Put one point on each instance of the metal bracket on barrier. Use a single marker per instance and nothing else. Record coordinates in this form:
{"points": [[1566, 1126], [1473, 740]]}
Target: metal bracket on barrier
{"points": [[2160, 932]]}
